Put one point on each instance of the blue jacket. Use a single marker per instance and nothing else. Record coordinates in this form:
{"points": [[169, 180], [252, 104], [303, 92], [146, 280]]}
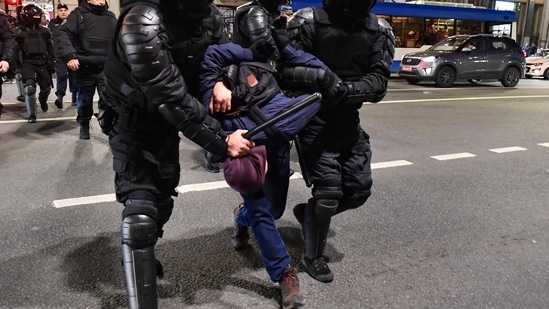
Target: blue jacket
{"points": [[218, 57]]}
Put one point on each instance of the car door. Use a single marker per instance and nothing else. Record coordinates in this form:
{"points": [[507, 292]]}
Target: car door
{"points": [[499, 54], [472, 58]]}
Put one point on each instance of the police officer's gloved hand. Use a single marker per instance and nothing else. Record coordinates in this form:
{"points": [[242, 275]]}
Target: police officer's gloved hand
{"points": [[332, 88], [280, 37], [51, 67], [263, 49], [106, 118]]}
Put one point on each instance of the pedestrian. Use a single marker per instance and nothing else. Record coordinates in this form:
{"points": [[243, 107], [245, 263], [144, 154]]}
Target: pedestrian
{"points": [[61, 69], [38, 58], [150, 92], [359, 48], [533, 50], [82, 42], [8, 50], [255, 96]]}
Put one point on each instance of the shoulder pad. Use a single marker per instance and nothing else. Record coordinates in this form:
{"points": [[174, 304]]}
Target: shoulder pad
{"points": [[257, 11], [384, 24], [244, 7], [301, 17], [2, 13]]}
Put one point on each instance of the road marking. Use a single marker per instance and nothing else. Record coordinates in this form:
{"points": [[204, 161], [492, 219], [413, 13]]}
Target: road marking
{"points": [[195, 187], [390, 164], [544, 144], [507, 149], [463, 99], [38, 120], [453, 156], [105, 198]]}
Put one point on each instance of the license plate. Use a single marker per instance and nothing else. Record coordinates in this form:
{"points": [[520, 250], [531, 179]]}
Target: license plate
{"points": [[406, 68]]}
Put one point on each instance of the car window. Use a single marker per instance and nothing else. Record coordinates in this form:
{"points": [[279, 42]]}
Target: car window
{"points": [[451, 43], [476, 44], [498, 44]]}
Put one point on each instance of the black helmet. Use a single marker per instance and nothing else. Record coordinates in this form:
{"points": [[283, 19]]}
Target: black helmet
{"points": [[348, 10], [31, 15], [272, 5]]}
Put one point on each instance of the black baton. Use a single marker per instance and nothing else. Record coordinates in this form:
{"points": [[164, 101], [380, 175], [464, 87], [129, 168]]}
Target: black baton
{"points": [[295, 108]]}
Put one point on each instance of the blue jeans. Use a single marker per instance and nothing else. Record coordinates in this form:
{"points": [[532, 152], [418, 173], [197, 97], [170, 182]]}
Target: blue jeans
{"points": [[263, 207]]}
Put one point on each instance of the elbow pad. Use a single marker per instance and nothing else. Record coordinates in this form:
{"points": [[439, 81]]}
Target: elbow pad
{"points": [[301, 78], [206, 134]]}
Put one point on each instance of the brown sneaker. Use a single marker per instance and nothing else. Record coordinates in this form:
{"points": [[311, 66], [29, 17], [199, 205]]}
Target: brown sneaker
{"points": [[289, 288]]}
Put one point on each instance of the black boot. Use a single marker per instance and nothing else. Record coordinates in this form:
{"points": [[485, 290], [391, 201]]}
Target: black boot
{"points": [[73, 99], [59, 102], [84, 131], [1, 108], [314, 234], [43, 99], [21, 98]]}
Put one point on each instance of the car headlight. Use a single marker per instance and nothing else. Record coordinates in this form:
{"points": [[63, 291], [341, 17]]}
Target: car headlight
{"points": [[429, 59]]}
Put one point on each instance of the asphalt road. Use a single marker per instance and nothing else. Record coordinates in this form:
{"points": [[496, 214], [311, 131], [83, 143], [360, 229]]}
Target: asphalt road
{"points": [[458, 217]]}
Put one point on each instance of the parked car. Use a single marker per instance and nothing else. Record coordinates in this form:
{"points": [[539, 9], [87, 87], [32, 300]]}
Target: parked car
{"points": [[537, 66], [466, 57]]}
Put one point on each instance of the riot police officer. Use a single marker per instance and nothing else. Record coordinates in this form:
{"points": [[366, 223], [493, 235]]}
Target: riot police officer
{"points": [[359, 48], [37, 58], [8, 48], [150, 82]]}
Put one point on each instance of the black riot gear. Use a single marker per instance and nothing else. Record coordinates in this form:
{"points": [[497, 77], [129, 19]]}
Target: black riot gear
{"points": [[348, 10], [31, 15]]}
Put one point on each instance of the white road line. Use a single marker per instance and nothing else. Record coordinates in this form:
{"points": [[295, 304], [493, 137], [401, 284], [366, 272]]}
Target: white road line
{"points": [[39, 120], [464, 99], [84, 200], [107, 198], [544, 144], [453, 156], [507, 149], [390, 164]]}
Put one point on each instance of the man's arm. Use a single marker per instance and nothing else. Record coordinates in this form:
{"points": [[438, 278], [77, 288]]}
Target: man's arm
{"points": [[65, 35]]}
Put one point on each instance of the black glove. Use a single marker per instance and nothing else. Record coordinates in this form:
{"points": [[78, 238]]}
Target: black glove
{"points": [[51, 67], [263, 49], [280, 37], [329, 84], [107, 119], [280, 23], [332, 88]]}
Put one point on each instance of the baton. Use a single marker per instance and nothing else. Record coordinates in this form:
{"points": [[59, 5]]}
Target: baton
{"points": [[294, 109]]}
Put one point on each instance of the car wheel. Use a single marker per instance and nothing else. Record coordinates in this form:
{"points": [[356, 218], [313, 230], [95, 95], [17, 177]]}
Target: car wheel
{"points": [[511, 77], [446, 77], [412, 81], [528, 76], [475, 81], [546, 74]]}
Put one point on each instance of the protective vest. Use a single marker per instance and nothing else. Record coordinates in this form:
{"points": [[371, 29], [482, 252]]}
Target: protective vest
{"points": [[95, 37], [33, 41]]}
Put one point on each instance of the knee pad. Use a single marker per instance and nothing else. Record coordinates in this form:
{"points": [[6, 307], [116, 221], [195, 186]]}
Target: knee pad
{"points": [[139, 231], [326, 195], [30, 89], [325, 209]]}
